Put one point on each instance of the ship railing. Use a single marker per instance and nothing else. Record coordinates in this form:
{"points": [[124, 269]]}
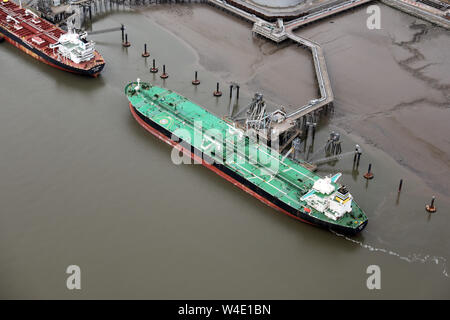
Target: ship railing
{"points": [[230, 143], [232, 151], [268, 151], [9, 18]]}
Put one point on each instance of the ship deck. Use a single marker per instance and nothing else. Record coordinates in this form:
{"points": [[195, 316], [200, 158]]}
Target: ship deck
{"points": [[281, 177], [37, 33]]}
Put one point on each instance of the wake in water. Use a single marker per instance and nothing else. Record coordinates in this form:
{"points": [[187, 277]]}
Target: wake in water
{"points": [[415, 257]]}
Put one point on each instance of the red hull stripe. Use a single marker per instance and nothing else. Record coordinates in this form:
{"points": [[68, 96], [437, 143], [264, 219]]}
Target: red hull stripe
{"points": [[207, 165], [30, 53]]}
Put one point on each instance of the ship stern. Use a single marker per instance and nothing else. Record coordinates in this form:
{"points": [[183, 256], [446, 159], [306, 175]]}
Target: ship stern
{"points": [[96, 70]]}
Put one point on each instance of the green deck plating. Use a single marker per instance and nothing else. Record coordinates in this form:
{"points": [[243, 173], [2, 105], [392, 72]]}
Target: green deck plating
{"points": [[322, 199]]}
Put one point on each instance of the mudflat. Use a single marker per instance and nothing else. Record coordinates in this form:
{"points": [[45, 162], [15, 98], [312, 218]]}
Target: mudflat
{"points": [[391, 86]]}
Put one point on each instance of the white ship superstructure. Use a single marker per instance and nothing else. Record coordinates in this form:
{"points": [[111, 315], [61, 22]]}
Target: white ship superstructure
{"points": [[327, 198], [74, 47]]}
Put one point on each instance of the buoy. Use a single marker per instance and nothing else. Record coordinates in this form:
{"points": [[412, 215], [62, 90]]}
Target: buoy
{"points": [[217, 93], [164, 75], [195, 82], [430, 207], [154, 69], [145, 54], [369, 175]]}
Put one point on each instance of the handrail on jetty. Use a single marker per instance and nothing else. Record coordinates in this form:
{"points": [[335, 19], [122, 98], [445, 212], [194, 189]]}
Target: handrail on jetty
{"points": [[279, 32]]}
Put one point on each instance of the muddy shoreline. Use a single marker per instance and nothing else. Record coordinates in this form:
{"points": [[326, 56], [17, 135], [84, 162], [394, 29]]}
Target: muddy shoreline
{"points": [[83, 183], [390, 86]]}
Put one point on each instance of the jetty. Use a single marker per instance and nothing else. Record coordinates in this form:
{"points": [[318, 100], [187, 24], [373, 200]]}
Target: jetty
{"points": [[277, 25]]}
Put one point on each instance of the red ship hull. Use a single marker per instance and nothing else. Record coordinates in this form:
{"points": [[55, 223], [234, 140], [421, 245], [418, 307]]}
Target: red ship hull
{"points": [[166, 136], [35, 37], [198, 159], [46, 61]]}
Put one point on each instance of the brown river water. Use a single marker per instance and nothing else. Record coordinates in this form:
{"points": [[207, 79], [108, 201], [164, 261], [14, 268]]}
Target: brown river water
{"points": [[82, 183]]}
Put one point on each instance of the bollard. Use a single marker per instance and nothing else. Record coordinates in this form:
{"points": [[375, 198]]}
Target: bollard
{"points": [[400, 185], [164, 75], [430, 207], [195, 82], [126, 44], [231, 90], [359, 157], [357, 151], [122, 28], [237, 94], [145, 54], [217, 93], [369, 175], [154, 69]]}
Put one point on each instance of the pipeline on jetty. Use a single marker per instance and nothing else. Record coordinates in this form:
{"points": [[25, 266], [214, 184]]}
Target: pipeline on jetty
{"points": [[288, 126], [293, 123], [283, 128], [287, 130], [276, 32]]}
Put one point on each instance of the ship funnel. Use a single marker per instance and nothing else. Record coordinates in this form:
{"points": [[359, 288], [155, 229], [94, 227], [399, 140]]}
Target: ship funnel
{"points": [[138, 85]]}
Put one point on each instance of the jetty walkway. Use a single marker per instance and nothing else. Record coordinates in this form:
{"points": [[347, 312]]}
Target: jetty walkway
{"points": [[278, 32]]}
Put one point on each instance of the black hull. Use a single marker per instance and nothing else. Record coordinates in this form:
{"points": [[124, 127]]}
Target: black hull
{"points": [[93, 72], [262, 193]]}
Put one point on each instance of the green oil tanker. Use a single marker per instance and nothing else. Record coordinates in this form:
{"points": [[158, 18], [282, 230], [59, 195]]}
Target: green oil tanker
{"points": [[248, 163]]}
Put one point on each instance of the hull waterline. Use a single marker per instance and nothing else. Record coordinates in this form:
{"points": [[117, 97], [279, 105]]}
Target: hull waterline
{"points": [[198, 156]]}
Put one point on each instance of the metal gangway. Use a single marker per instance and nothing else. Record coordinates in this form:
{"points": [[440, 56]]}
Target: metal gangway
{"points": [[323, 13], [279, 32]]}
